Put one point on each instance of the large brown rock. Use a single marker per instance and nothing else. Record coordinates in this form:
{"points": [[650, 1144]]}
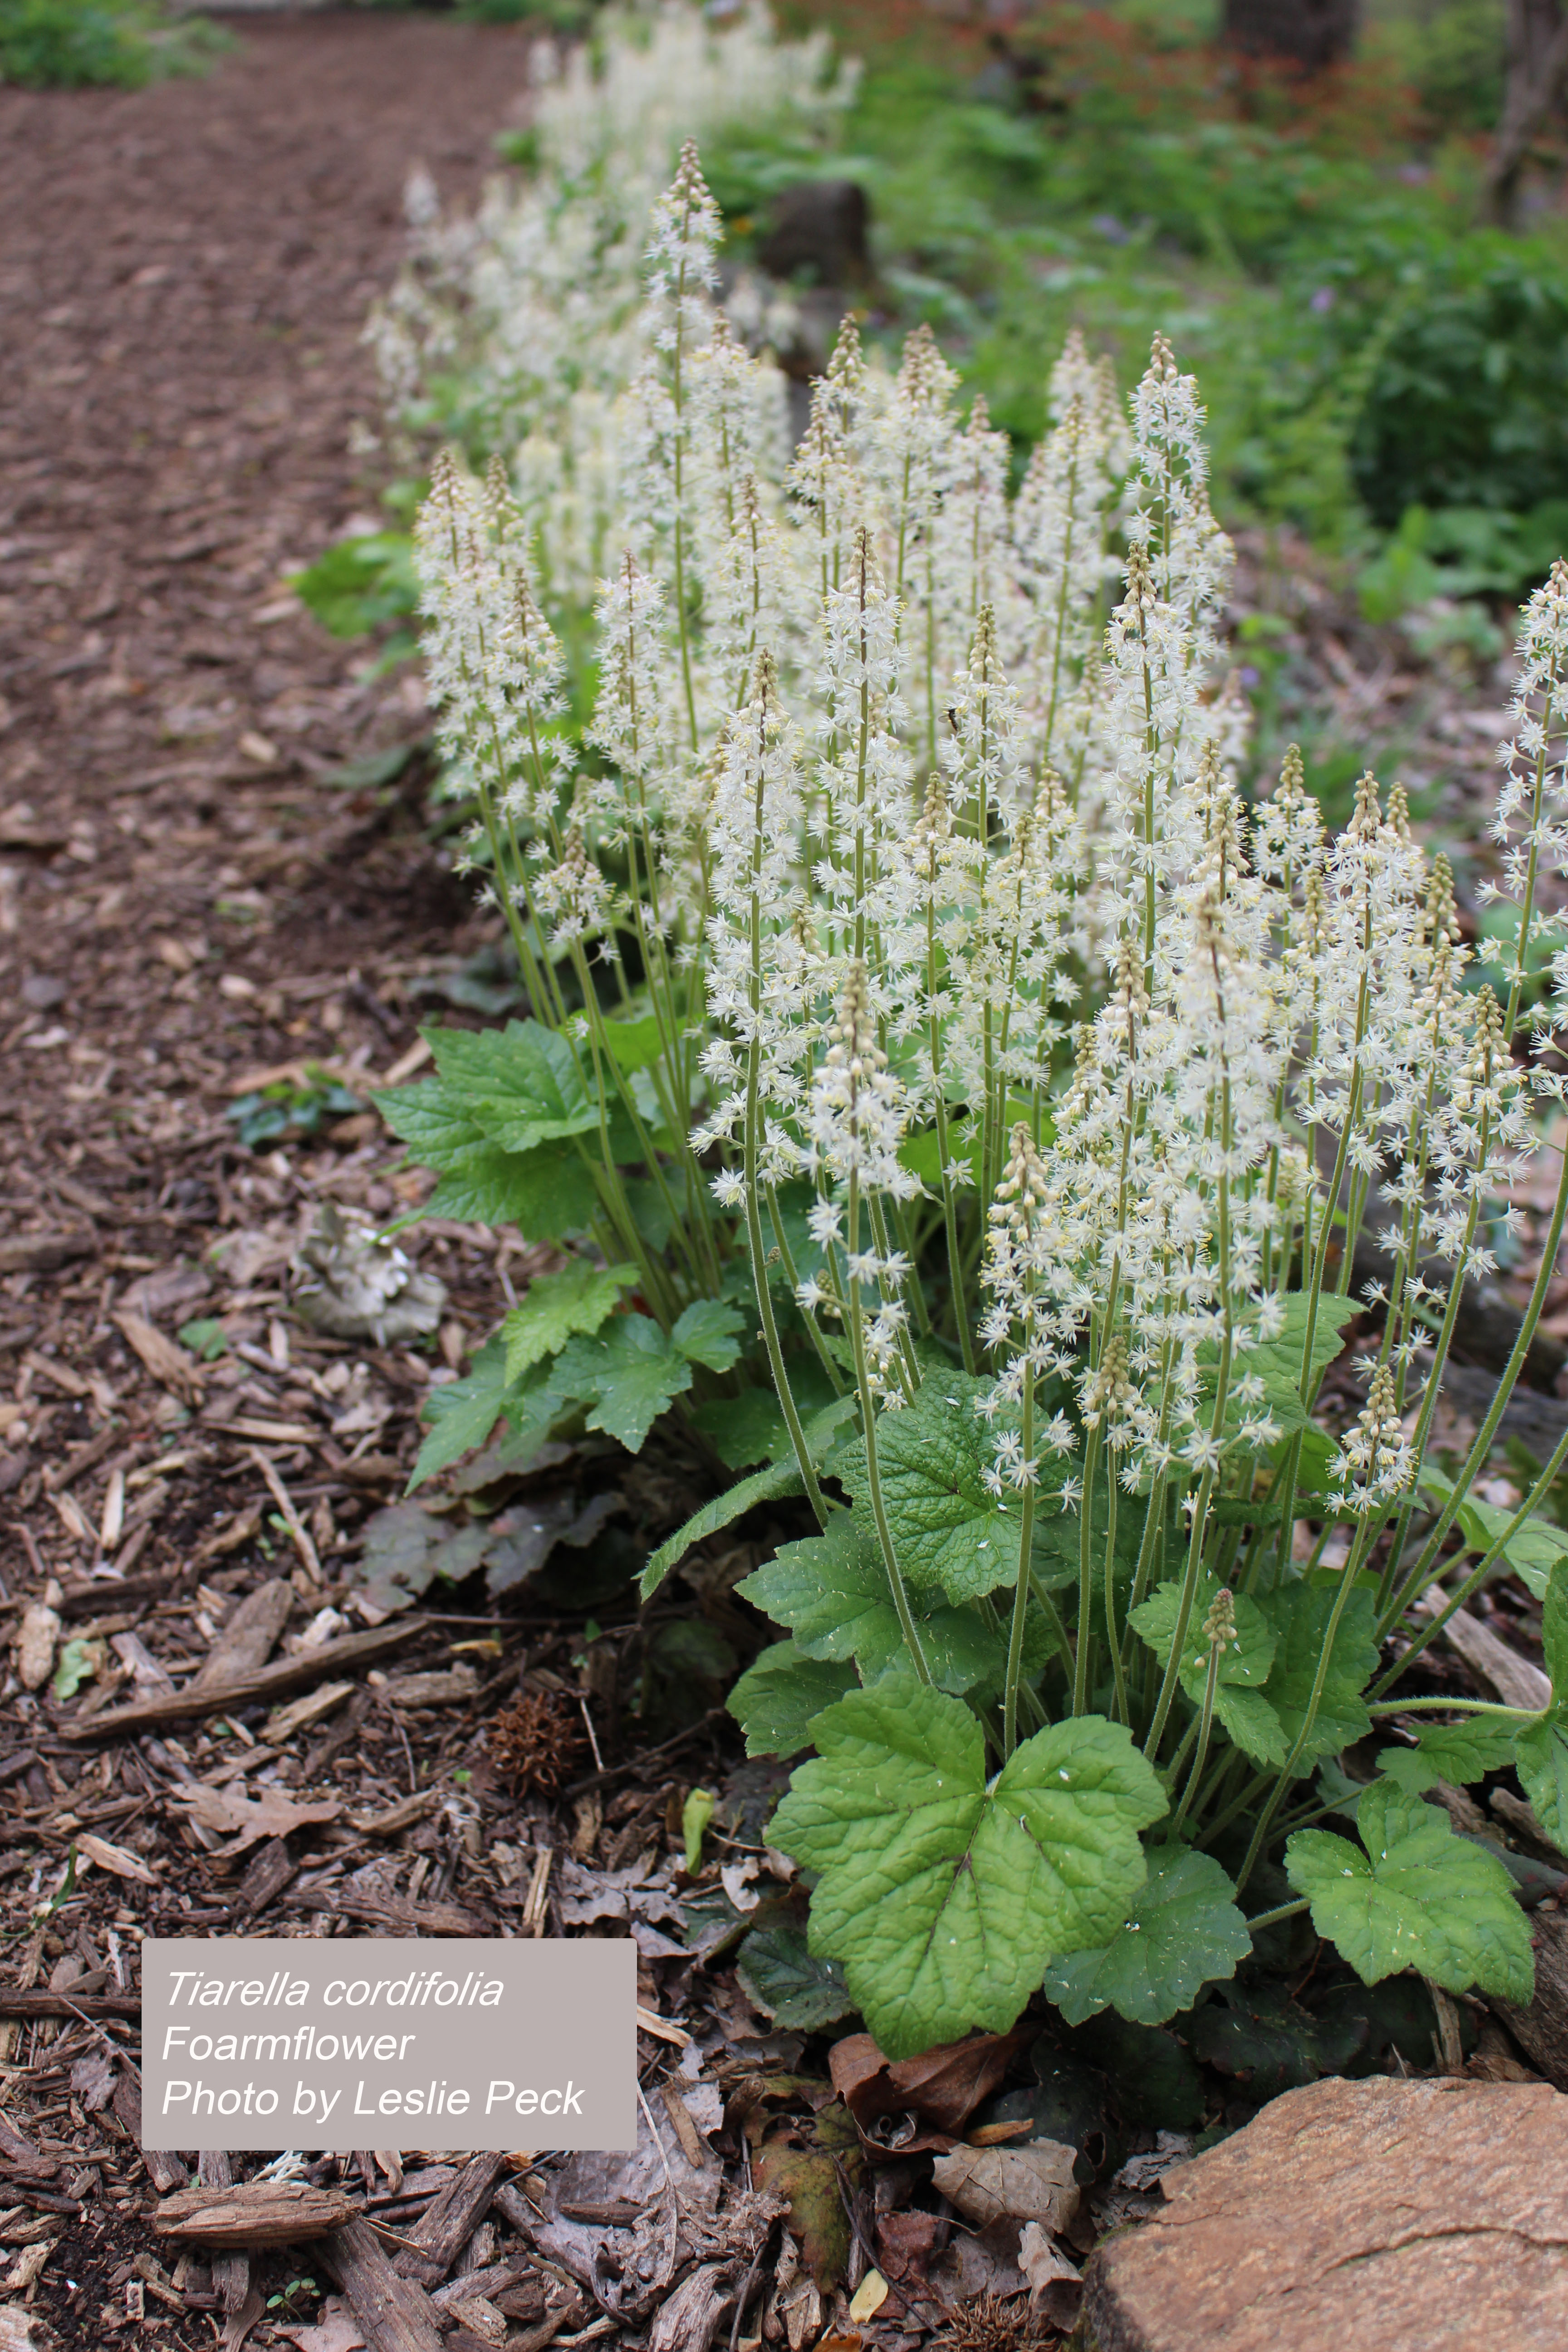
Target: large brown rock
{"points": [[1354, 2217]]}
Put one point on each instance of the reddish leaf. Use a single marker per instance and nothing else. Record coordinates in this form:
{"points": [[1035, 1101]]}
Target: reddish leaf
{"points": [[925, 2102]]}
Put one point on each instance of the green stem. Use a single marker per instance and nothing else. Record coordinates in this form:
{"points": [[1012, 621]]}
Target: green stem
{"points": [[1026, 1545], [1086, 1577], [1205, 1724], [1264, 1820], [873, 1473], [1280, 1911]]}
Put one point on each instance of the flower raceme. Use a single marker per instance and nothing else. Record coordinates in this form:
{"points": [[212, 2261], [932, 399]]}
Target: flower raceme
{"points": [[923, 1021]]}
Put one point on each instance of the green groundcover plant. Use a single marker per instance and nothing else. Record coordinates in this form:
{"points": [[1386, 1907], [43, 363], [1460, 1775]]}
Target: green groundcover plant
{"points": [[957, 1109]]}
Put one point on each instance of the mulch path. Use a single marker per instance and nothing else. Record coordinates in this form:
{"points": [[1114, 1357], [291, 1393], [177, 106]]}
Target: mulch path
{"points": [[190, 892], [209, 881]]}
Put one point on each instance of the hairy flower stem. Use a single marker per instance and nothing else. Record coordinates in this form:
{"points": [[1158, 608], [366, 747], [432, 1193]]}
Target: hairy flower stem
{"points": [[1086, 1578], [1307, 1389], [1205, 1723], [1452, 1706], [1280, 1912], [1483, 1568], [1199, 1535], [1113, 1638], [949, 1201], [788, 1406], [873, 1474], [1533, 871], [1475, 1461], [1021, 1590], [1282, 1782], [677, 393], [786, 1258], [1053, 1617]]}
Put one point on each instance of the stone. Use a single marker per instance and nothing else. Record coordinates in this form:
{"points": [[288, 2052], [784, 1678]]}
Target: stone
{"points": [[1389, 2216]]}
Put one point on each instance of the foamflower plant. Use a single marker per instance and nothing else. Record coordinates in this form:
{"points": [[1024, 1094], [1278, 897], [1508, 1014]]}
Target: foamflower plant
{"points": [[959, 1108]]}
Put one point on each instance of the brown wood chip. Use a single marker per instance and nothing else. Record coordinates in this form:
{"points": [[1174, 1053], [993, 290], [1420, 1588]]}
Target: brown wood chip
{"points": [[168, 1364], [248, 1639], [270, 1682], [54, 2004], [396, 2313], [451, 2221], [164, 2169], [42, 1252], [272, 1868], [253, 2213]]}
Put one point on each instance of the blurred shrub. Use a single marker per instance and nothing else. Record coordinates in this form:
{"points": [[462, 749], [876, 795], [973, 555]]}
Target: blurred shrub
{"points": [[1453, 56], [72, 44], [1466, 407]]}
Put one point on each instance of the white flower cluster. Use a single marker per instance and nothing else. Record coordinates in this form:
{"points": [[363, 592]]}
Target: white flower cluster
{"points": [[534, 305], [890, 801]]}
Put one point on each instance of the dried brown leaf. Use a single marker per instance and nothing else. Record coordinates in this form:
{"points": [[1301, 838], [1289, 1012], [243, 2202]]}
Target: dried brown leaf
{"points": [[269, 1813], [1034, 2183]]}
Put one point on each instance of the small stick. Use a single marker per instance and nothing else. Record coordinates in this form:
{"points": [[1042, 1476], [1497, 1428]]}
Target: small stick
{"points": [[588, 1727], [644, 1756], [747, 2284], [296, 1526]]}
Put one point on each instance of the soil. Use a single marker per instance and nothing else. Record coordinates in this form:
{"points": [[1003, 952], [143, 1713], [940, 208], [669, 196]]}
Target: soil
{"points": [[219, 871]]}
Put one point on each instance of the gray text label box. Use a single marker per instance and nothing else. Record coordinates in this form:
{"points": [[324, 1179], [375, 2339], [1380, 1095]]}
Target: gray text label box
{"points": [[376, 2042]]}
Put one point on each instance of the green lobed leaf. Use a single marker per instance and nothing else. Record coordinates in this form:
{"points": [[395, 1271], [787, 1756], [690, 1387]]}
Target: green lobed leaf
{"points": [[781, 1477], [1279, 1361], [780, 1696], [433, 1119], [1418, 1897], [1336, 1790], [1299, 1615], [945, 1897], [1533, 1551], [1250, 1723], [630, 1377], [1242, 1709], [799, 1992], [744, 1429], [521, 1085], [1317, 1459], [1244, 1661], [1185, 1932], [1541, 1753], [708, 1333], [1554, 1631], [1456, 1752], [406, 1547], [948, 1529], [541, 1192], [360, 582], [462, 1412], [635, 1044], [558, 1305], [1255, 2030], [831, 1590]]}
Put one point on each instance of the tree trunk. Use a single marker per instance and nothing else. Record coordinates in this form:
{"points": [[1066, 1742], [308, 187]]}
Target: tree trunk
{"points": [[1537, 64], [1312, 34]]}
